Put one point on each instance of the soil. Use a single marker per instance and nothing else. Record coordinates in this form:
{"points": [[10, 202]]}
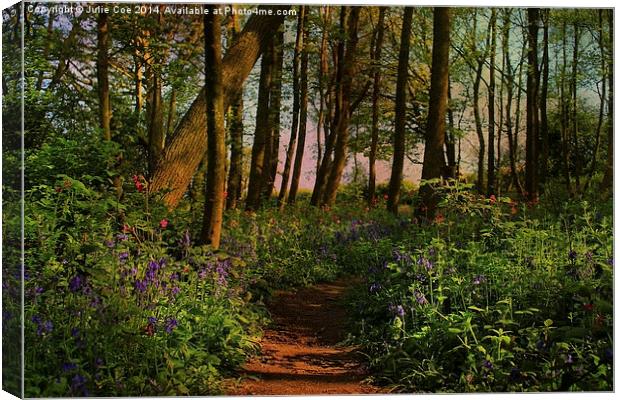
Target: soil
{"points": [[301, 350]]}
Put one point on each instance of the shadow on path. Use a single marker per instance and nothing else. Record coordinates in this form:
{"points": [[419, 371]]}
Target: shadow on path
{"points": [[300, 351]]}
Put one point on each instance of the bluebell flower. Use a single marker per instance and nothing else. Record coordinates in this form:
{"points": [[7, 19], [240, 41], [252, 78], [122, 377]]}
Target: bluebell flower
{"points": [[572, 255], [109, 243], [152, 320], [66, 367], [121, 237], [375, 287], [140, 285], [171, 324], [76, 283], [487, 364], [420, 298], [123, 256]]}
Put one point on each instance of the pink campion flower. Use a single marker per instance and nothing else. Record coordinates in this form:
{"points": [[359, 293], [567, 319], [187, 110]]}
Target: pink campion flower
{"points": [[137, 180], [492, 199], [163, 224]]}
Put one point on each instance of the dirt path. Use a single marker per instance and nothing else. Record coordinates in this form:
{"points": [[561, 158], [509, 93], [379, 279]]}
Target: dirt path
{"points": [[300, 351]]}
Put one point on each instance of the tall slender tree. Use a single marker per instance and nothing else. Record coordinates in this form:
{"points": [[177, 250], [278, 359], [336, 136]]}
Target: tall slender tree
{"points": [[303, 114], [532, 126], [103, 86], [344, 113], [290, 152], [376, 92], [235, 129], [491, 106], [261, 132], [438, 104], [400, 117], [607, 183], [216, 134]]}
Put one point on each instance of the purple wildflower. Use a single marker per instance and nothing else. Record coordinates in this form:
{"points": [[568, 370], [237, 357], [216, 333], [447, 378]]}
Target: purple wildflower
{"points": [[109, 243], [572, 255], [175, 290], [420, 298], [75, 332], [66, 367], [140, 285], [487, 364], [121, 237], [152, 320], [171, 323], [123, 256]]}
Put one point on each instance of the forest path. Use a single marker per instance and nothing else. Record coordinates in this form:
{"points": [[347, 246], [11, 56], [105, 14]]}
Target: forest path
{"points": [[300, 350]]}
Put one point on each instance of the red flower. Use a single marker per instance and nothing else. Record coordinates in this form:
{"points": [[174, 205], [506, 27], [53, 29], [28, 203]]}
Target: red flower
{"points": [[149, 329], [492, 199], [588, 307], [137, 181], [127, 228], [385, 197], [163, 223], [439, 219]]}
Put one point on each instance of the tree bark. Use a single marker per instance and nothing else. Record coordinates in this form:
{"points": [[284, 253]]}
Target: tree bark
{"points": [[188, 144], [400, 117], [261, 133], [564, 115], [608, 178], [438, 104], [376, 93], [532, 127], [544, 89], [103, 86], [303, 114], [344, 114], [275, 95], [235, 129], [216, 170], [491, 107], [290, 152], [577, 159]]}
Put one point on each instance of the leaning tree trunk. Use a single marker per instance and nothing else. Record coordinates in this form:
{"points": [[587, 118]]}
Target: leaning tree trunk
{"points": [[400, 117], [438, 105], [303, 115], [216, 133], [376, 92], [261, 134], [342, 126], [532, 127], [188, 144], [103, 86]]}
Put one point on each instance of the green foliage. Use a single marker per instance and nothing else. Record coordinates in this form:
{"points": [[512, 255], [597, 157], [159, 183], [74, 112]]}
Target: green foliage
{"points": [[492, 296]]}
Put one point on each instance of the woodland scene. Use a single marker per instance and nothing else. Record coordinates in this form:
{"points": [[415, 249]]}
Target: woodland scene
{"points": [[231, 199]]}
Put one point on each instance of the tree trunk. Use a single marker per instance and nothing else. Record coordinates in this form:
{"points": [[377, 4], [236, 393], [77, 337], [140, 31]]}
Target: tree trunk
{"points": [[187, 146], [544, 89], [438, 104], [235, 129], [103, 86], [509, 82], [491, 107], [400, 117], [564, 115], [334, 101], [602, 95], [532, 127], [295, 124], [273, 143], [344, 114], [261, 133], [608, 178], [376, 92], [477, 117], [450, 140], [303, 115], [575, 124], [216, 133]]}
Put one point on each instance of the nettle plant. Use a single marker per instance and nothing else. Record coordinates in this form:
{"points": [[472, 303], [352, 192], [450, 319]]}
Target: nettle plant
{"points": [[120, 301]]}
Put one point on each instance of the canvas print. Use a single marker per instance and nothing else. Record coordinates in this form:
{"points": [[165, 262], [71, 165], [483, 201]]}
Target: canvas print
{"points": [[244, 199]]}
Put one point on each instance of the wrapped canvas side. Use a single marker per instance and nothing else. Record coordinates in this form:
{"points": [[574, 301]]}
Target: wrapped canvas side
{"points": [[12, 201]]}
